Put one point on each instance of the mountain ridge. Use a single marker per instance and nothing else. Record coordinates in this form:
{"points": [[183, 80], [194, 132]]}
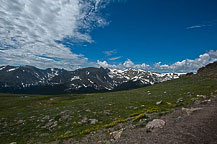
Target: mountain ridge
{"points": [[29, 79]]}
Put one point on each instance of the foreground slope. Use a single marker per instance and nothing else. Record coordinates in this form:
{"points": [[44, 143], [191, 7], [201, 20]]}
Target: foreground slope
{"points": [[197, 128], [39, 118]]}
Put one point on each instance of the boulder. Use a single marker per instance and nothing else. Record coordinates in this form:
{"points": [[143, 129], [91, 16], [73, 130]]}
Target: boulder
{"points": [[156, 123]]}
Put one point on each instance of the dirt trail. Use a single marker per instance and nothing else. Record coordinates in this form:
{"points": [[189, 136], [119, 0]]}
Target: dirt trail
{"points": [[198, 128]]}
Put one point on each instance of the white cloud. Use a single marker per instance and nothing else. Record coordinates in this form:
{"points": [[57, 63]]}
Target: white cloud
{"points": [[196, 26], [189, 65], [110, 53], [104, 64], [184, 66], [127, 64], [115, 58], [29, 29]]}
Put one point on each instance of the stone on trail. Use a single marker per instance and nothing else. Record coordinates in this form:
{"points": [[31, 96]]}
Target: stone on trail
{"points": [[156, 123], [189, 111], [116, 134]]}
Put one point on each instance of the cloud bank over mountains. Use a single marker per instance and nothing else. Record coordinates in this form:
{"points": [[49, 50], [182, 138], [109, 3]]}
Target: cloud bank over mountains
{"points": [[29, 30], [184, 66]]}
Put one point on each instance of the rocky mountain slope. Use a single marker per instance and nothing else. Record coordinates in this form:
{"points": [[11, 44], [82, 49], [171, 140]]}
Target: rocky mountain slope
{"points": [[29, 79], [209, 70]]}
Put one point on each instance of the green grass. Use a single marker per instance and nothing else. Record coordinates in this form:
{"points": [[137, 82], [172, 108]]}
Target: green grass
{"points": [[108, 108]]}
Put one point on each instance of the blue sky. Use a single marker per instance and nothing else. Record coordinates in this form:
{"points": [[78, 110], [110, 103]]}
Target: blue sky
{"points": [[154, 30], [156, 35]]}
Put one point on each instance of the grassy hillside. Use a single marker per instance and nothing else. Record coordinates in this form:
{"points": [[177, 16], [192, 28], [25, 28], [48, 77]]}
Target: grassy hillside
{"points": [[34, 118]]}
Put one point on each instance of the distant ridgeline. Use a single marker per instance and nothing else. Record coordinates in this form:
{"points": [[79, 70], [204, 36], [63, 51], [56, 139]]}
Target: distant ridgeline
{"points": [[29, 79]]}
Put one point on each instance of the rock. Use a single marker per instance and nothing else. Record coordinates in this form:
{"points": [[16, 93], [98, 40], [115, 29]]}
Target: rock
{"points": [[158, 103], [130, 107], [116, 134], [179, 100], [88, 110], [197, 102], [47, 117], [50, 125], [179, 119], [191, 110], [20, 122], [209, 100], [189, 93], [169, 103], [65, 112], [165, 92], [42, 121], [51, 99], [107, 113], [64, 117], [202, 96], [93, 121], [54, 124], [156, 123], [194, 99], [44, 134], [13, 143], [84, 120], [68, 132], [142, 106]]}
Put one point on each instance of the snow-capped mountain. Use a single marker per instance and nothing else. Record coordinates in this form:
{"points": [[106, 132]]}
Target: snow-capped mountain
{"points": [[29, 79]]}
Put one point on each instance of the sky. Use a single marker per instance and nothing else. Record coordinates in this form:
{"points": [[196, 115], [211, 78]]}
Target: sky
{"points": [[155, 35]]}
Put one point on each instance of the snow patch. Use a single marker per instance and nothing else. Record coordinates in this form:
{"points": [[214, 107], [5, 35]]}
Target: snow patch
{"points": [[10, 70], [75, 78]]}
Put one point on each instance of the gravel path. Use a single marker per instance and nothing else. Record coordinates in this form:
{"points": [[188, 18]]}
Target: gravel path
{"points": [[200, 127]]}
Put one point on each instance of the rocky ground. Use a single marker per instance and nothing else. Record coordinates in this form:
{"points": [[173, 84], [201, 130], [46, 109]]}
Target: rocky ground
{"points": [[197, 127], [194, 125]]}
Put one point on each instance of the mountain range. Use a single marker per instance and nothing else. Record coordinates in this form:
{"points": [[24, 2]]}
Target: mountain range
{"points": [[29, 79]]}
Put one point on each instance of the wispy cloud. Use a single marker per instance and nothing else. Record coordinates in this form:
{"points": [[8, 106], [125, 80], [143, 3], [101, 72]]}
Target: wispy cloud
{"points": [[29, 30], [115, 58], [187, 65], [204, 24], [196, 26], [110, 53]]}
